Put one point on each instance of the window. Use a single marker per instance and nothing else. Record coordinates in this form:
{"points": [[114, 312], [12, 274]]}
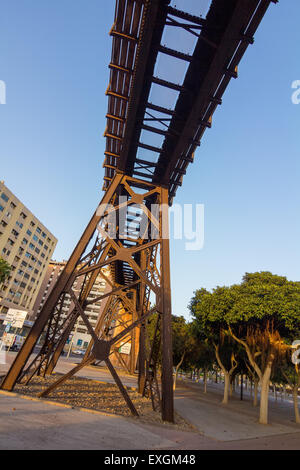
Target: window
{"points": [[1, 208], [42, 255], [35, 238], [38, 230], [29, 232], [45, 247], [27, 254], [4, 224], [4, 197], [20, 272], [40, 242], [31, 246], [23, 285], [23, 215], [13, 205], [19, 224], [10, 242], [32, 224], [24, 264], [37, 250], [15, 233], [8, 215], [26, 276], [24, 242], [43, 235]]}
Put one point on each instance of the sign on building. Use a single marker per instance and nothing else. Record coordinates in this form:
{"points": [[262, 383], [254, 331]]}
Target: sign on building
{"points": [[8, 339], [125, 348], [7, 328], [15, 318]]}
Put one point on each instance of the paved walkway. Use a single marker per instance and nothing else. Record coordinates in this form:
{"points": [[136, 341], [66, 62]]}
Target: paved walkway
{"points": [[235, 421], [27, 424], [38, 424]]}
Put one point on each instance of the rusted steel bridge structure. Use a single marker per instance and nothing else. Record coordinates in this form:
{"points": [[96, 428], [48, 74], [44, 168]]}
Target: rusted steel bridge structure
{"points": [[125, 233]]}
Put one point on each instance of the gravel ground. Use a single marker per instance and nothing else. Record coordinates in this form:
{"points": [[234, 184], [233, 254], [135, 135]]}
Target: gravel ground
{"points": [[90, 394]]}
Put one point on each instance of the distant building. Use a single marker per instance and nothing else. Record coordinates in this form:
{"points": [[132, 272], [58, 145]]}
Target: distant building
{"points": [[54, 270], [81, 337], [27, 245]]}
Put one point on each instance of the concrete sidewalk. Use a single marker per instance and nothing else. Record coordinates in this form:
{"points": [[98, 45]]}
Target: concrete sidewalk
{"points": [[236, 421], [38, 424]]}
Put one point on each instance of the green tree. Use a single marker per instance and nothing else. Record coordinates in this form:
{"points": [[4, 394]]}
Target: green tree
{"points": [[202, 355], [213, 331], [5, 270], [289, 374], [182, 342], [263, 316]]}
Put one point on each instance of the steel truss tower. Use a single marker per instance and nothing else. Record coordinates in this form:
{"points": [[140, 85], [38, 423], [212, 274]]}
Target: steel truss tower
{"points": [[129, 234]]}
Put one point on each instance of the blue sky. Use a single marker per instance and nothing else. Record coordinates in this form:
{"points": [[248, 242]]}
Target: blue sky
{"points": [[53, 59]]}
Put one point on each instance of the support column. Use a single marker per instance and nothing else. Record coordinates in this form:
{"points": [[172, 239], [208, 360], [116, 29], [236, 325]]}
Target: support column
{"points": [[165, 306], [142, 338]]}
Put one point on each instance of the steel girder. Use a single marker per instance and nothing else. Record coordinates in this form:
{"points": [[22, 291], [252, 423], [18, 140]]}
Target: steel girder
{"points": [[222, 38]]}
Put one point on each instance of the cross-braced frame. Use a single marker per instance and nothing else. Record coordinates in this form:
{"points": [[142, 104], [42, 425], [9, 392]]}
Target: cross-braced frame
{"points": [[126, 243]]}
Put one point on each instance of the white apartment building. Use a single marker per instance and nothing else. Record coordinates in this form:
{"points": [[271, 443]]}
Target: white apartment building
{"points": [[27, 245]]}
